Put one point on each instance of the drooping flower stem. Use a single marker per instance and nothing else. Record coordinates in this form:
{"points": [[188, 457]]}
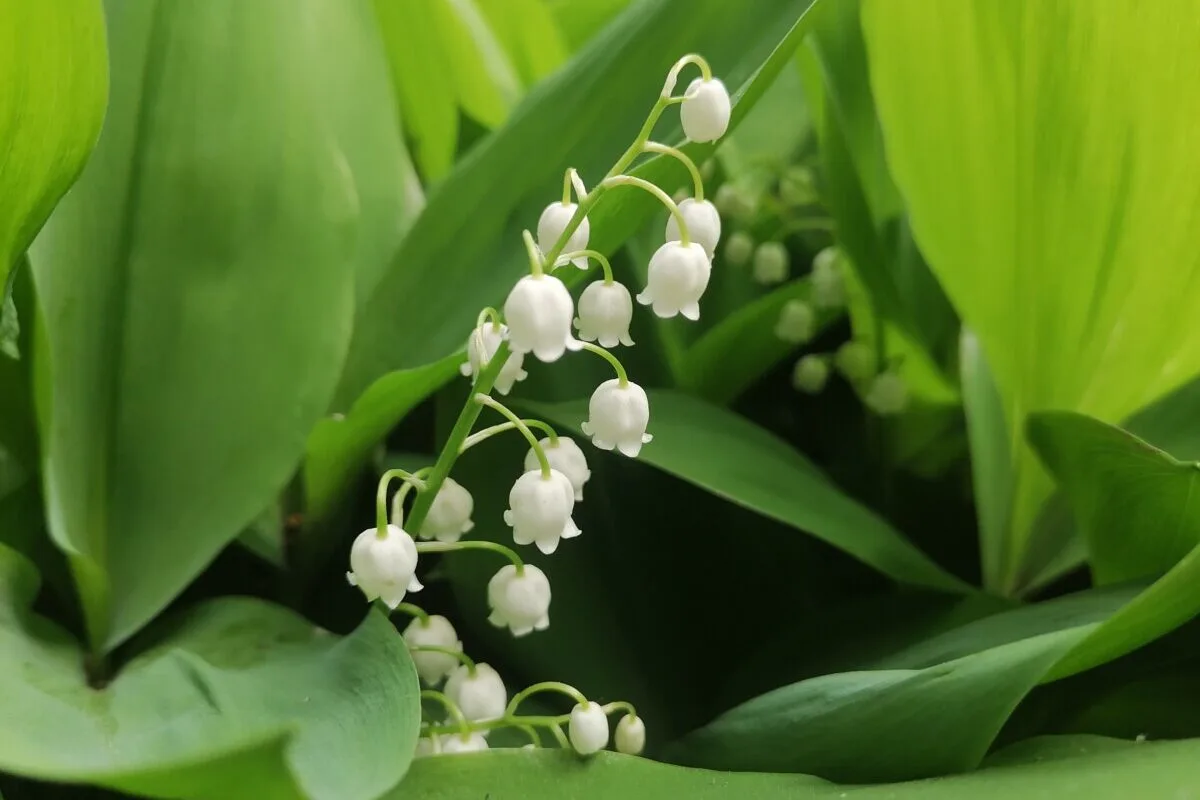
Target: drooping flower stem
{"points": [[535, 259], [678, 66], [487, 433], [488, 313], [507, 721], [446, 651], [630, 180], [413, 611], [398, 498], [461, 724], [683, 158], [545, 686], [595, 255], [622, 376], [473, 544], [381, 516], [519, 424], [619, 705]]}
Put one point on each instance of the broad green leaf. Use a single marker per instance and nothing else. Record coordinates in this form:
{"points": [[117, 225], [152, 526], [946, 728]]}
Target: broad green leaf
{"points": [[484, 79], [579, 20], [1063, 768], [198, 285], [53, 90], [1051, 188], [734, 459], [465, 250], [1172, 423], [236, 699], [530, 35]]}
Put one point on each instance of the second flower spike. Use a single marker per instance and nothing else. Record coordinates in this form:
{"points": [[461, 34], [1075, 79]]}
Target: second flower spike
{"points": [[539, 310]]}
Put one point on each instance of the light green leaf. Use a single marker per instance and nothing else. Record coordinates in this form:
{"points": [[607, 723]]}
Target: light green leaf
{"points": [[530, 35], [237, 699], [579, 20], [484, 79], [198, 286], [53, 90], [1082, 768], [1052, 189], [733, 458]]}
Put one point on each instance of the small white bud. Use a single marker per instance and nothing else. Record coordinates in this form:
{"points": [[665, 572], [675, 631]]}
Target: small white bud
{"points": [[677, 278], [735, 202], [630, 736], [551, 225], [436, 632], [539, 311], [520, 602], [481, 346], [452, 743], [829, 285], [739, 248], [797, 186], [588, 728], [605, 312], [428, 746], [479, 695], [810, 374], [856, 361], [703, 223], [384, 568], [566, 457], [449, 514], [771, 263], [887, 395], [618, 417], [705, 110], [539, 509], [796, 322]]}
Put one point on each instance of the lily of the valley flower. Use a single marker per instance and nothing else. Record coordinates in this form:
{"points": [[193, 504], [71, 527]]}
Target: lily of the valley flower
{"points": [[461, 743], [566, 457], [519, 601], [540, 510], [739, 248], [703, 224], [796, 322], [478, 693], [677, 278], [829, 287], [384, 567], [771, 263], [588, 728], [449, 514], [630, 736], [855, 360], [428, 746], [481, 347], [705, 110], [551, 225], [810, 374], [539, 311], [887, 394], [605, 312], [618, 416], [436, 631]]}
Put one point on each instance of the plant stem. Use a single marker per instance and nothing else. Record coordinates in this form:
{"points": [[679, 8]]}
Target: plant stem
{"points": [[622, 376], [473, 544], [490, 402], [630, 180], [685, 159], [487, 433], [413, 611], [544, 686], [446, 651], [595, 255]]}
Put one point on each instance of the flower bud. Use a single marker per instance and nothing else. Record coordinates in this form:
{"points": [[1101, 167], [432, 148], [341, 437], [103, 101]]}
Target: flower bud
{"points": [[384, 568], [810, 374], [738, 248], [796, 322], [797, 186], [551, 225], [856, 361], [676, 280], [452, 743], [519, 601], [887, 395], [703, 224], [735, 202], [630, 736], [588, 728], [618, 416], [434, 632], [771, 263], [605, 312], [539, 509], [705, 110], [539, 311], [829, 285], [481, 346], [566, 457], [449, 514], [428, 746], [479, 695]]}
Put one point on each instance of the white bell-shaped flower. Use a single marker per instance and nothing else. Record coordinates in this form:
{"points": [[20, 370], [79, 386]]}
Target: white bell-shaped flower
{"points": [[771, 263], [887, 395], [618, 416], [551, 225], [796, 323], [451, 743], [829, 285], [705, 110], [481, 347], [856, 361], [738, 248], [630, 736], [736, 202], [677, 278], [810, 374], [539, 311], [384, 568], [449, 514], [519, 601], [540, 508], [703, 223], [605, 311], [480, 695], [588, 728], [566, 457], [433, 632], [428, 746]]}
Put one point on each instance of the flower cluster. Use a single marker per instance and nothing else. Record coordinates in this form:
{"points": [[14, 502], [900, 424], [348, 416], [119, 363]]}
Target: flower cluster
{"points": [[540, 318]]}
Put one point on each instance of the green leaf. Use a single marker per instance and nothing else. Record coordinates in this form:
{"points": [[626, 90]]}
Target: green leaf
{"points": [[1051, 188], [1171, 424], [53, 90], [530, 35], [579, 20], [236, 699], [198, 286], [465, 250], [1063, 768], [734, 459], [484, 80]]}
